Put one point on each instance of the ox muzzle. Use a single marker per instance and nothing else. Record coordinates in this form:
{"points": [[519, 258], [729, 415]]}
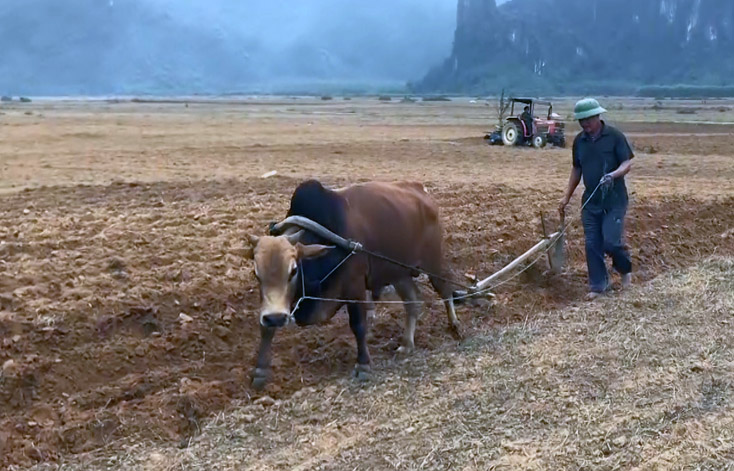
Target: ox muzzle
{"points": [[280, 319]]}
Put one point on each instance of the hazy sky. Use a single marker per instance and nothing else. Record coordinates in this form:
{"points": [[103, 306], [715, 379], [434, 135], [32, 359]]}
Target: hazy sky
{"points": [[217, 46]]}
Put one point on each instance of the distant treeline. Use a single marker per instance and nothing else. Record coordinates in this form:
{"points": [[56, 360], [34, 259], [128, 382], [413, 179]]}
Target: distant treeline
{"points": [[488, 80], [686, 91]]}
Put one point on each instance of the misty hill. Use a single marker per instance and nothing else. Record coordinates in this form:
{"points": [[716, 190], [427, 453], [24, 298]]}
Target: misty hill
{"points": [[54, 47], [567, 45]]}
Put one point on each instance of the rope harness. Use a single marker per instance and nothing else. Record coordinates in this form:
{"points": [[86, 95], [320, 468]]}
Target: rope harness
{"points": [[356, 247]]}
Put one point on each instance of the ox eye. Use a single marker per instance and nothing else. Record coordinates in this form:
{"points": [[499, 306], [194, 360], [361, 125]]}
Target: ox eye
{"points": [[294, 271]]}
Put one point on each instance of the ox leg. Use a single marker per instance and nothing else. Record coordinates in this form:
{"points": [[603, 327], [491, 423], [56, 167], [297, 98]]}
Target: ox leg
{"points": [[358, 324], [262, 365], [371, 311], [408, 292], [444, 290]]}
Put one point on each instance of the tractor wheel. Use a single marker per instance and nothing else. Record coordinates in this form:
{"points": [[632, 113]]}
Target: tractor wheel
{"points": [[539, 141], [510, 134]]}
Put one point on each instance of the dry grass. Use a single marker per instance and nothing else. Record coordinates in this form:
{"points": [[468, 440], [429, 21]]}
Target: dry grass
{"points": [[642, 380]]}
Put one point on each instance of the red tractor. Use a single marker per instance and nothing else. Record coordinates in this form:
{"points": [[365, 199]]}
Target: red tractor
{"points": [[525, 128]]}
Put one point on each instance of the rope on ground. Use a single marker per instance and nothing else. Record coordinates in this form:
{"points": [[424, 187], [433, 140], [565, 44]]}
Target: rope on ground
{"points": [[472, 294]]}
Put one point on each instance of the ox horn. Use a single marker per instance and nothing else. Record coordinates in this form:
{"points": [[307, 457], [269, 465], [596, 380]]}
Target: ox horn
{"points": [[294, 237]]}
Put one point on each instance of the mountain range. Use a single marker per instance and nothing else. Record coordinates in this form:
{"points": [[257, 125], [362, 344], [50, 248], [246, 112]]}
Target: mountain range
{"points": [[563, 45]]}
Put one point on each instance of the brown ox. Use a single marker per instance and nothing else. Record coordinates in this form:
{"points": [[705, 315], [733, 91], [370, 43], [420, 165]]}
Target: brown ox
{"points": [[397, 220]]}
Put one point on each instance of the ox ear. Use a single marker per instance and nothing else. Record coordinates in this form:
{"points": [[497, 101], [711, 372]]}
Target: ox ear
{"points": [[253, 240], [311, 251]]}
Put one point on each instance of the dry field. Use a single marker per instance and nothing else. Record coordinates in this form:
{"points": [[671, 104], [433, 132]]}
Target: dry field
{"points": [[116, 218]]}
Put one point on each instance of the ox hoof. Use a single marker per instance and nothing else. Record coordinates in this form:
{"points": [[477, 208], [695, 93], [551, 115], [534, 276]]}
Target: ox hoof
{"points": [[455, 330], [362, 372], [405, 349], [259, 379]]}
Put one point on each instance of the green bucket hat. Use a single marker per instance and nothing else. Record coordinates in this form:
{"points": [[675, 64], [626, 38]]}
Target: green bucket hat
{"points": [[587, 108]]}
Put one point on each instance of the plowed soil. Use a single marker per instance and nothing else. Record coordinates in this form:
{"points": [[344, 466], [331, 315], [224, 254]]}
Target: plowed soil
{"points": [[126, 296]]}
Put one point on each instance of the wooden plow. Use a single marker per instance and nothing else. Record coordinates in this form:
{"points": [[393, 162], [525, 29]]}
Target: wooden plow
{"points": [[552, 244]]}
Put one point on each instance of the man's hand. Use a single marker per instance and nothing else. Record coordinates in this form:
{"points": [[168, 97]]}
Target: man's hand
{"points": [[606, 180], [562, 205]]}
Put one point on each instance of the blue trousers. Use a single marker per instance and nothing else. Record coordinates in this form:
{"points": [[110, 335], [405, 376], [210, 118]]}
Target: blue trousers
{"points": [[604, 230]]}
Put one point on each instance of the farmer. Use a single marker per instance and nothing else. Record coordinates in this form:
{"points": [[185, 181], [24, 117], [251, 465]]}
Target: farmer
{"points": [[527, 118], [602, 156]]}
